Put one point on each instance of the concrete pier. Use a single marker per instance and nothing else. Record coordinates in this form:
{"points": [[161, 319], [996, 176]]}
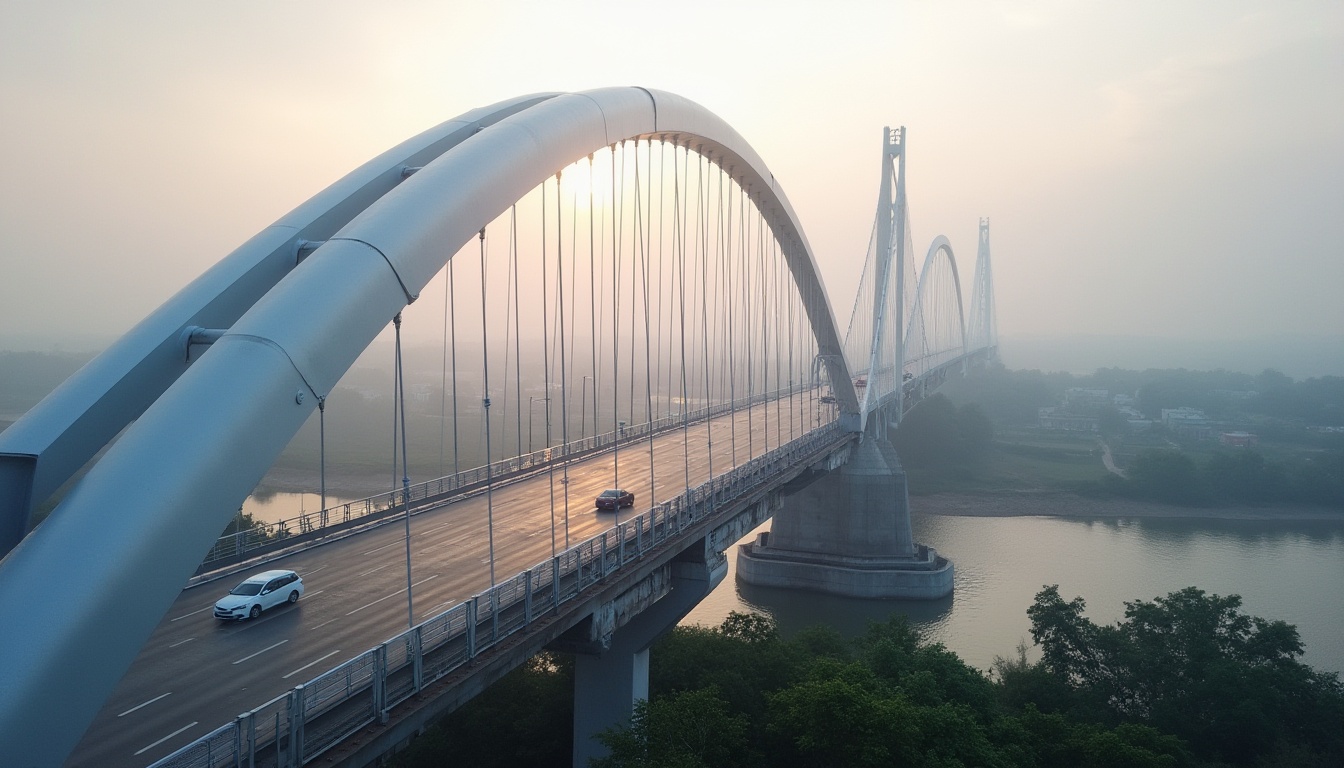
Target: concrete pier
{"points": [[611, 671], [849, 534]]}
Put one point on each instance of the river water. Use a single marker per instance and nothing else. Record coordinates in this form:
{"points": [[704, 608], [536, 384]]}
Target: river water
{"points": [[1291, 570]]}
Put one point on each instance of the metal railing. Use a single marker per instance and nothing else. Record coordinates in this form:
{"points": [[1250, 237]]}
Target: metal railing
{"points": [[236, 546], [298, 726]]}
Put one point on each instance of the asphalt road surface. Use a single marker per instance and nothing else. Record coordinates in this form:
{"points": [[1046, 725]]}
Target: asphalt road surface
{"points": [[196, 673]]}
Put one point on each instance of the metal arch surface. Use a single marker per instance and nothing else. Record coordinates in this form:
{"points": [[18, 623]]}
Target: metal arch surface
{"points": [[139, 521], [940, 245]]}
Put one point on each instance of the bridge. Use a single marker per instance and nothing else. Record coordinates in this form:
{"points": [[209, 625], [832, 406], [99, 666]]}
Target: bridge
{"points": [[625, 240]]}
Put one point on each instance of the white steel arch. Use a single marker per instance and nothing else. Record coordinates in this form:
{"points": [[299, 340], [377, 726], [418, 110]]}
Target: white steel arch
{"points": [[140, 520], [939, 245]]}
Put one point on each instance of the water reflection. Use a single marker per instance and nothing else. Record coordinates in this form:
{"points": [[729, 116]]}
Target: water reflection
{"points": [[1288, 570], [274, 507]]}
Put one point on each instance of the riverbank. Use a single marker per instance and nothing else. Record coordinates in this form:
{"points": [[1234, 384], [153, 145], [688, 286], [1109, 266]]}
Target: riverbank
{"points": [[1069, 505]]}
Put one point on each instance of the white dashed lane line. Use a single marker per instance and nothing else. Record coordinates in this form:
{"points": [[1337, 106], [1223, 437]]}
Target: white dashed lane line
{"points": [[388, 597], [146, 704], [311, 663], [263, 650], [193, 613], [169, 736]]}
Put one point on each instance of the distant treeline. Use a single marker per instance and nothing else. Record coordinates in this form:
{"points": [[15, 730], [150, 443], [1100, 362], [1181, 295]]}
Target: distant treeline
{"points": [[27, 377], [1240, 476], [1184, 680], [1013, 397]]}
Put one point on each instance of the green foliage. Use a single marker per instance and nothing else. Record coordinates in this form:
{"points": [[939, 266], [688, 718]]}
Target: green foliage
{"points": [[1184, 680], [1165, 475], [1242, 476], [524, 719], [682, 730], [940, 435], [261, 531], [884, 699], [1194, 666]]}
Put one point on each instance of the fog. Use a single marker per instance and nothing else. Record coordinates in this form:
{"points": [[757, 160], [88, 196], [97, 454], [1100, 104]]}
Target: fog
{"points": [[1169, 173]]}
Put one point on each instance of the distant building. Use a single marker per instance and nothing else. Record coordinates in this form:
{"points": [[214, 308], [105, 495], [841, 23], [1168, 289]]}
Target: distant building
{"points": [[1078, 397], [1187, 422], [1122, 401], [1060, 419], [1237, 439]]}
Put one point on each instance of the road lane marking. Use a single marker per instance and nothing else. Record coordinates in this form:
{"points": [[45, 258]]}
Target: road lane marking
{"points": [[146, 704], [323, 624], [379, 568], [394, 594], [165, 738], [315, 570], [263, 650], [311, 663], [399, 542], [193, 613], [182, 642]]}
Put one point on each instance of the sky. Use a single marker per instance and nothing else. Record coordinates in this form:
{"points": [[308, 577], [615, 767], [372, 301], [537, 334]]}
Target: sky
{"points": [[1149, 169]]}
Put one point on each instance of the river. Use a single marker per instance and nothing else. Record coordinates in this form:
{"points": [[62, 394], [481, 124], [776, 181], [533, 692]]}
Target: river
{"points": [[1292, 570]]}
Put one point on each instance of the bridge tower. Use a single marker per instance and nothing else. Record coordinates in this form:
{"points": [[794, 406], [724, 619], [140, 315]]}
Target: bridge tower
{"points": [[983, 322], [848, 532]]}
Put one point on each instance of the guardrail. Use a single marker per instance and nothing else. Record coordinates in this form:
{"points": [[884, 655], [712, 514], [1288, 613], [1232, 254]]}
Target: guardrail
{"points": [[236, 546], [300, 725]]}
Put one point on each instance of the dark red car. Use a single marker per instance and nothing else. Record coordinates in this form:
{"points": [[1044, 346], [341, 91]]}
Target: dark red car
{"points": [[615, 498]]}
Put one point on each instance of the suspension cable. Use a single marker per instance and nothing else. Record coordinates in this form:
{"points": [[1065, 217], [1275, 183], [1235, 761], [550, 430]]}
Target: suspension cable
{"points": [[545, 359], [517, 338], [618, 202], [640, 231], [322, 454], [679, 255], [485, 402], [405, 471], [564, 368]]}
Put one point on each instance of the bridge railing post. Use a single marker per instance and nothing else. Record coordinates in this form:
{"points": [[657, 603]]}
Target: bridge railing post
{"points": [[245, 731], [471, 627], [555, 582], [527, 598], [294, 753], [494, 615], [380, 680]]}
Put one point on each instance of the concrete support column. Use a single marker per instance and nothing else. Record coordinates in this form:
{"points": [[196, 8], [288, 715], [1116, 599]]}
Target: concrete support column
{"points": [[611, 677], [849, 534]]}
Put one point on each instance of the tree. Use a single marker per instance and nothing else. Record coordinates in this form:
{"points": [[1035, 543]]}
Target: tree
{"points": [[1193, 665], [1244, 475], [683, 730], [938, 434], [1164, 475]]}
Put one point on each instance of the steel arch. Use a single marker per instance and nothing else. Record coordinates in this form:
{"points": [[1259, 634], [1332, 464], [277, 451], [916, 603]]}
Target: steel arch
{"points": [[940, 244], [140, 520]]}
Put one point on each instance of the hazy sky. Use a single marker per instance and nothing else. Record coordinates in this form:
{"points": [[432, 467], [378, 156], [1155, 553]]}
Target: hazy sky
{"points": [[1150, 168]]}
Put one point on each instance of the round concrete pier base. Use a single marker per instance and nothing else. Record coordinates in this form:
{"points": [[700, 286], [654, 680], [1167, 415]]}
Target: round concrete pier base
{"points": [[925, 576]]}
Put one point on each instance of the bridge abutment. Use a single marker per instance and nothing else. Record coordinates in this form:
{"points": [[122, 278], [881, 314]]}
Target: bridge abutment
{"points": [[849, 534]]}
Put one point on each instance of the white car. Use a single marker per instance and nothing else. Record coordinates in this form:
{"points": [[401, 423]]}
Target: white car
{"points": [[259, 592]]}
